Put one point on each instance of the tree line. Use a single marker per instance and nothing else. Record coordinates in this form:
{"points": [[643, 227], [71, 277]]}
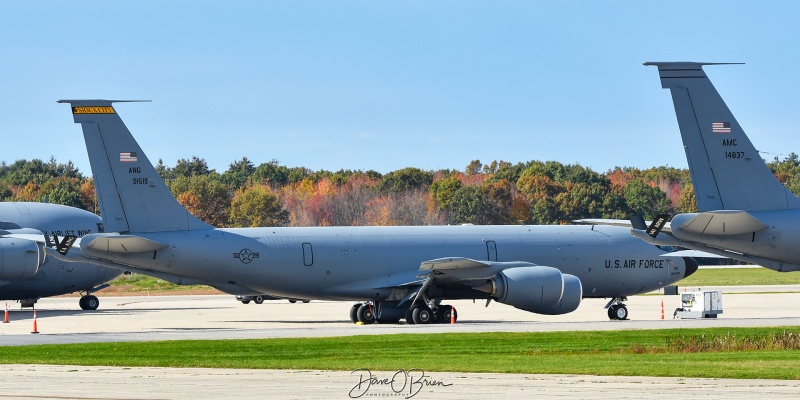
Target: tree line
{"points": [[271, 194]]}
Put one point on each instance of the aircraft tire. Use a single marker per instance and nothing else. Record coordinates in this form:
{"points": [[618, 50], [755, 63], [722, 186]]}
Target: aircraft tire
{"points": [[245, 301], [612, 312], [443, 314], [354, 312], [409, 316], [90, 303], [422, 315], [82, 302], [621, 312], [366, 314], [258, 299]]}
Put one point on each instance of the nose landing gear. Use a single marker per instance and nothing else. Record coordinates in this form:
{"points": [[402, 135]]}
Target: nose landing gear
{"points": [[89, 302], [616, 309]]}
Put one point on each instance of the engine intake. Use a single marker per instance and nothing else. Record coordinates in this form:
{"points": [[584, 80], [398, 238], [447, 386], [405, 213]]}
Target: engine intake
{"points": [[19, 258]]}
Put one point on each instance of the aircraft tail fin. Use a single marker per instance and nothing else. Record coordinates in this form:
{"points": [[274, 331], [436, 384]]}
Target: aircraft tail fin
{"points": [[132, 196], [727, 171]]}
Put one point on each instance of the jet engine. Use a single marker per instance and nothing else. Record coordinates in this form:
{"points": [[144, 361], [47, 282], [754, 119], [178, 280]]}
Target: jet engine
{"points": [[570, 300], [19, 258], [538, 289]]}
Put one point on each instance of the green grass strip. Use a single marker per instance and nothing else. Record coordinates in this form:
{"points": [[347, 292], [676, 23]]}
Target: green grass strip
{"points": [[739, 277], [630, 353]]}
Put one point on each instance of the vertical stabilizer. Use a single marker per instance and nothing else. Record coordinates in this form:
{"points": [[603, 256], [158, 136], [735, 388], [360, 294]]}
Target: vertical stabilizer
{"points": [[132, 196], [727, 171]]}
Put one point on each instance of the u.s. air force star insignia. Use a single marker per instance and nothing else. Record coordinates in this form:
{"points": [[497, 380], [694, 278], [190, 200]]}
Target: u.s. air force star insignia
{"points": [[245, 256]]}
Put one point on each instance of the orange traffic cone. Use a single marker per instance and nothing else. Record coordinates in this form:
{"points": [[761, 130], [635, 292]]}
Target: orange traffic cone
{"points": [[452, 315], [5, 320], [35, 330], [662, 309]]}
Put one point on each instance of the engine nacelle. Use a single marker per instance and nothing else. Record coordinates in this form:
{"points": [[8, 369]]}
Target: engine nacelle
{"points": [[19, 258], [570, 299], [529, 288]]}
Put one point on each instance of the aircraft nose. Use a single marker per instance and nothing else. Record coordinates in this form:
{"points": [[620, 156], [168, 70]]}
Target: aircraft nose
{"points": [[691, 266]]}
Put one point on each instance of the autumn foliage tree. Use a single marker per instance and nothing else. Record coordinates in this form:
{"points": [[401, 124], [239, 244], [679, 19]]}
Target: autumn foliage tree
{"points": [[270, 194], [255, 206]]}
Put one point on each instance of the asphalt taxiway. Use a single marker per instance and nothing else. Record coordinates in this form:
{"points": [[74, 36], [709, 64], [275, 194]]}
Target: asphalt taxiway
{"points": [[145, 318], [155, 318]]}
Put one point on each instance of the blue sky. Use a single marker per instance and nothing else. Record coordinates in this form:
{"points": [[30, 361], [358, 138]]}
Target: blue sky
{"points": [[384, 85]]}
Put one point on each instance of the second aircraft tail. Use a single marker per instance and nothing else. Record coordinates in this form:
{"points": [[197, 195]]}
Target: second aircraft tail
{"points": [[132, 196], [727, 171]]}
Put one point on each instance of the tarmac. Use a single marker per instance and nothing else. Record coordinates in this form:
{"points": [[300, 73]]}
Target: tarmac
{"points": [[154, 318]]}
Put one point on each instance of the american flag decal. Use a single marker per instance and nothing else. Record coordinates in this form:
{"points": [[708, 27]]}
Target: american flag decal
{"points": [[721, 127], [128, 156]]}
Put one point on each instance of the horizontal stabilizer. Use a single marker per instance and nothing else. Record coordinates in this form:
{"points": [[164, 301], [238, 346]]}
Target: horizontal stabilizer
{"points": [[120, 243], [722, 223], [625, 223]]}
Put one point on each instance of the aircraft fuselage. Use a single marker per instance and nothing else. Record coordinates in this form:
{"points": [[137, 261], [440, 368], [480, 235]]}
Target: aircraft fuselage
{"points": [[364, 263]]}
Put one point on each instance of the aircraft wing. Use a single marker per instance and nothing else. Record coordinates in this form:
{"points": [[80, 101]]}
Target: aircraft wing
{"points": [[448, 270], [452, 263], [720, 223], [31, 234], [33, 237], [462, 270], [37, 236], [693, 254]]}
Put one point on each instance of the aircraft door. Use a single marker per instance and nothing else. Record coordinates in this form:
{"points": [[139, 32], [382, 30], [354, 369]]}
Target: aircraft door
{"points": [[491, 250], [308, 255]]}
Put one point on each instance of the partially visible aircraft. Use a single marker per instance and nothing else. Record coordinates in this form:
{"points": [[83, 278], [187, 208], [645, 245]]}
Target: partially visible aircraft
{"points": [[26, 274], [745, 212], [259, 298], [394, 272]]}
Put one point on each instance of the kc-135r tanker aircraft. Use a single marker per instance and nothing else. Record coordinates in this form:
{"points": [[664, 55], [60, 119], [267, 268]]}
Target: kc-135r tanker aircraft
{"points": [[745, 212], [394, 272], [26, 274]]}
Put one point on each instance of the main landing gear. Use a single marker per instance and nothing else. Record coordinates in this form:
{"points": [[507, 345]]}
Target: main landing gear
{"points": [[367, 313], [421, 314], [89, 302], [616, 309]]}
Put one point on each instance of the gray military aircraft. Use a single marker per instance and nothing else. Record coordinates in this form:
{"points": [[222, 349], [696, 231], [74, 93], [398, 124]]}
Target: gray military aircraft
{"points": [[745, 212], [26, 274], [396, 272]]}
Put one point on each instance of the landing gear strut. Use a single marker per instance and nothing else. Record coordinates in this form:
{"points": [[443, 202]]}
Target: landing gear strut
{"points": [[616, 309]]}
